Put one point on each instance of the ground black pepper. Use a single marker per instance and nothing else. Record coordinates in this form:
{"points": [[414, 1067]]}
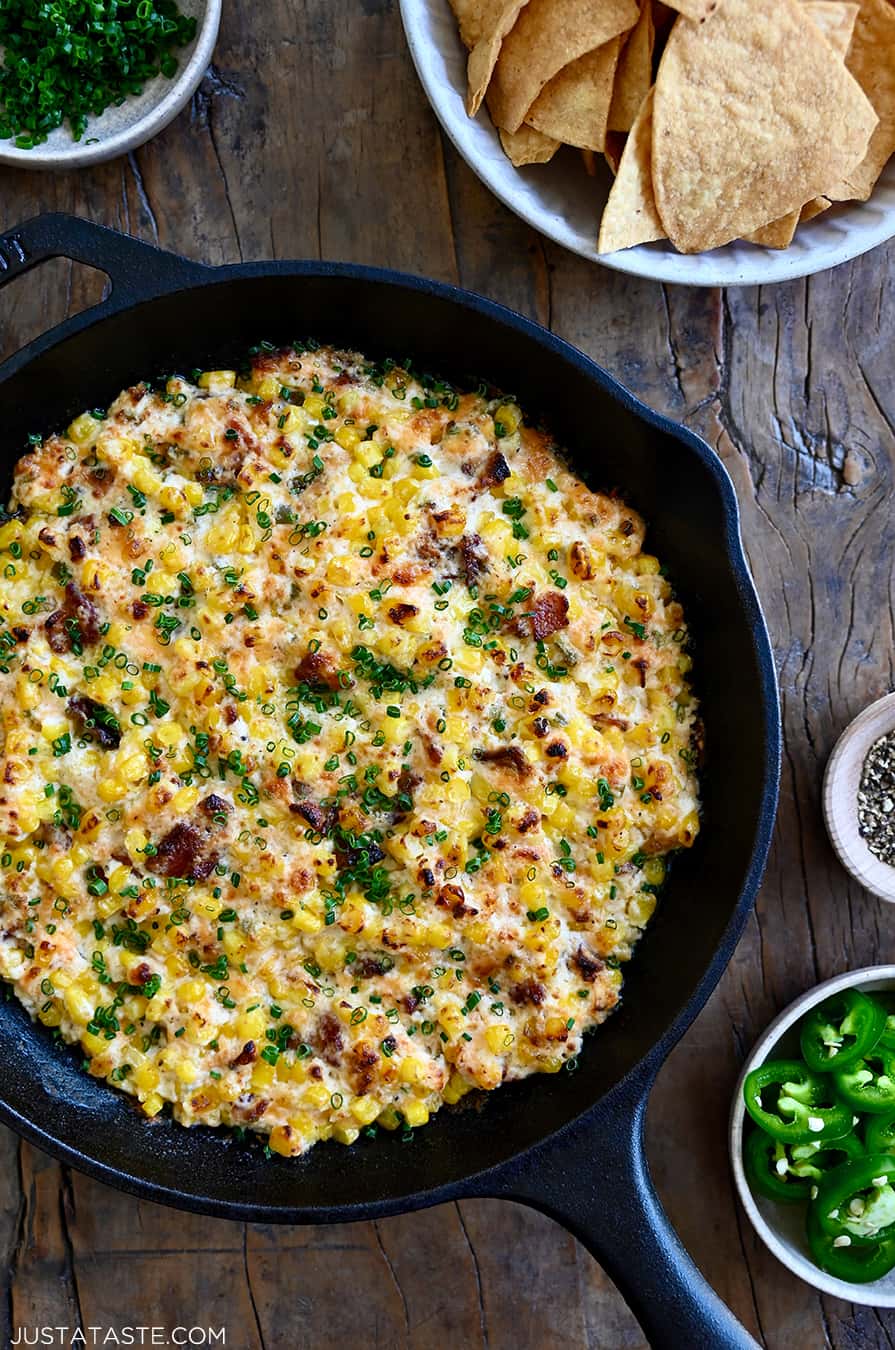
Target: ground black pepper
{"points": [[876, 799]]}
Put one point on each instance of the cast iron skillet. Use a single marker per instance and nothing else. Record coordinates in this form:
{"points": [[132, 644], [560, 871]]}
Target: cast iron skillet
{"points": [[570, 1145]]}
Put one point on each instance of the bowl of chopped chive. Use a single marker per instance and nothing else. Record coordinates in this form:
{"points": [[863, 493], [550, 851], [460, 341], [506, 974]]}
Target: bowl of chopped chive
{"points": [[107, 78], [812, 1137], [859, 798]]}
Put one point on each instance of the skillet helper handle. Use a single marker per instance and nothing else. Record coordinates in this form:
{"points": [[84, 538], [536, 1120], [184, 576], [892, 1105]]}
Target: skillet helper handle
{"points": [[136, 270], [596, 1183]]}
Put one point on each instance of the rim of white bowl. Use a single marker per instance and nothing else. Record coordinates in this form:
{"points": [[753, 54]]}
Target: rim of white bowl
{"points": [[173, 96], [880, 1294], [842, 778], [837, 236]]}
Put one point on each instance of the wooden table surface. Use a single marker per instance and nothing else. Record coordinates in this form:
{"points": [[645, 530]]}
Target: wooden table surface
{"points": [[310, 137]]}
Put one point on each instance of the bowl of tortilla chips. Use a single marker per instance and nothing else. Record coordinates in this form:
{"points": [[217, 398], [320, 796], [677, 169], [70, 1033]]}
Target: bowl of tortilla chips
{"points": [[709, 142]]}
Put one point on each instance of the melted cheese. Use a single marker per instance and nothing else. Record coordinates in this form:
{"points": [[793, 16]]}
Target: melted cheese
{"points": [[344, 736]]}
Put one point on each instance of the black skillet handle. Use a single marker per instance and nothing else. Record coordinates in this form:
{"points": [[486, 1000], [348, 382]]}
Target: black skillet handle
{"points": [[595, 1181], [136, 270]]}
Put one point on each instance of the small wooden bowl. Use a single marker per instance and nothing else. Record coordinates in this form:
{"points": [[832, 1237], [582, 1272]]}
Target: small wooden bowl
{"points": [[840, 797], [782, 1227]]}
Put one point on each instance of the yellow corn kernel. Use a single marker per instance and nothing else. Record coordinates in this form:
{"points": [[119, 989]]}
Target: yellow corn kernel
{"points": [[306, 922], [250, 1025], [28, 694], [111, 789], [51, 1016], [78, 1005], [263, 1074], [83, 429], [94, 1045], [388, 1119], [194, 493], [152, 1104], [317, 1095], [145, 1077], [345, 1134], [415, 1112], [189, 993], [314, 405], [499, 1038], [169, 734], [364, 1109], [184, 800], [216, 381], [411, 1070], [451, 1019], [281, 1140]]}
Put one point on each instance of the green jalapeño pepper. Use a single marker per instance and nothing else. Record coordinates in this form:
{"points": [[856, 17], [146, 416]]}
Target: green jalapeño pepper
{"points": [[790, 1173], [879, 1134], [839, 1032], [856, 1265], [869, 1085], [793, 1104], [857, 1201], [887, 999]]}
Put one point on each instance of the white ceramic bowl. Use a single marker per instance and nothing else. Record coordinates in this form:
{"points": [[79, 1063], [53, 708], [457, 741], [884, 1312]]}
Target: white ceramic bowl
{"points": [[561, 201], [140, 117], [782, 1227], [840, 797]]}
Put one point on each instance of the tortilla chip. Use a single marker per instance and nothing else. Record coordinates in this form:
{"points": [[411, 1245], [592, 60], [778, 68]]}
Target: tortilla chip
{"points": [[630, 216], [614, 148], [573, 107], [835, 19], [634, 76], [483, 57], [815, 207], [527, 146], [718, 176], [546, 37], [871, 59], [776, 234], [589, 160]]}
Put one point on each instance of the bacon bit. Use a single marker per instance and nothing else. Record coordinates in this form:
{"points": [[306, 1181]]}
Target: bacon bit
{"points": [[46, 538], [316, 668], [641, 665], [607, 720], [213, 805], [508, 757], [540, 726], [139, 609], [495, 471], [557, 750], [549, 614], [369, 967], [361, 1071], [626, 528], [254, 1113], [587, 965], [76, 608], [434, 754], [328, 1039], [528, 991], [247, 1055], [20, 633], [230, 713], [401, 612], [474, 558], [142, 973], [528, 821], [453, 898], [541, 699], [409, 573], [180, 855], [314, 814], [95, 719]]}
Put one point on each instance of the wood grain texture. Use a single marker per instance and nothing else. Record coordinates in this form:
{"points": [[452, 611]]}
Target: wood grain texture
{"points": [[310, 136]]}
